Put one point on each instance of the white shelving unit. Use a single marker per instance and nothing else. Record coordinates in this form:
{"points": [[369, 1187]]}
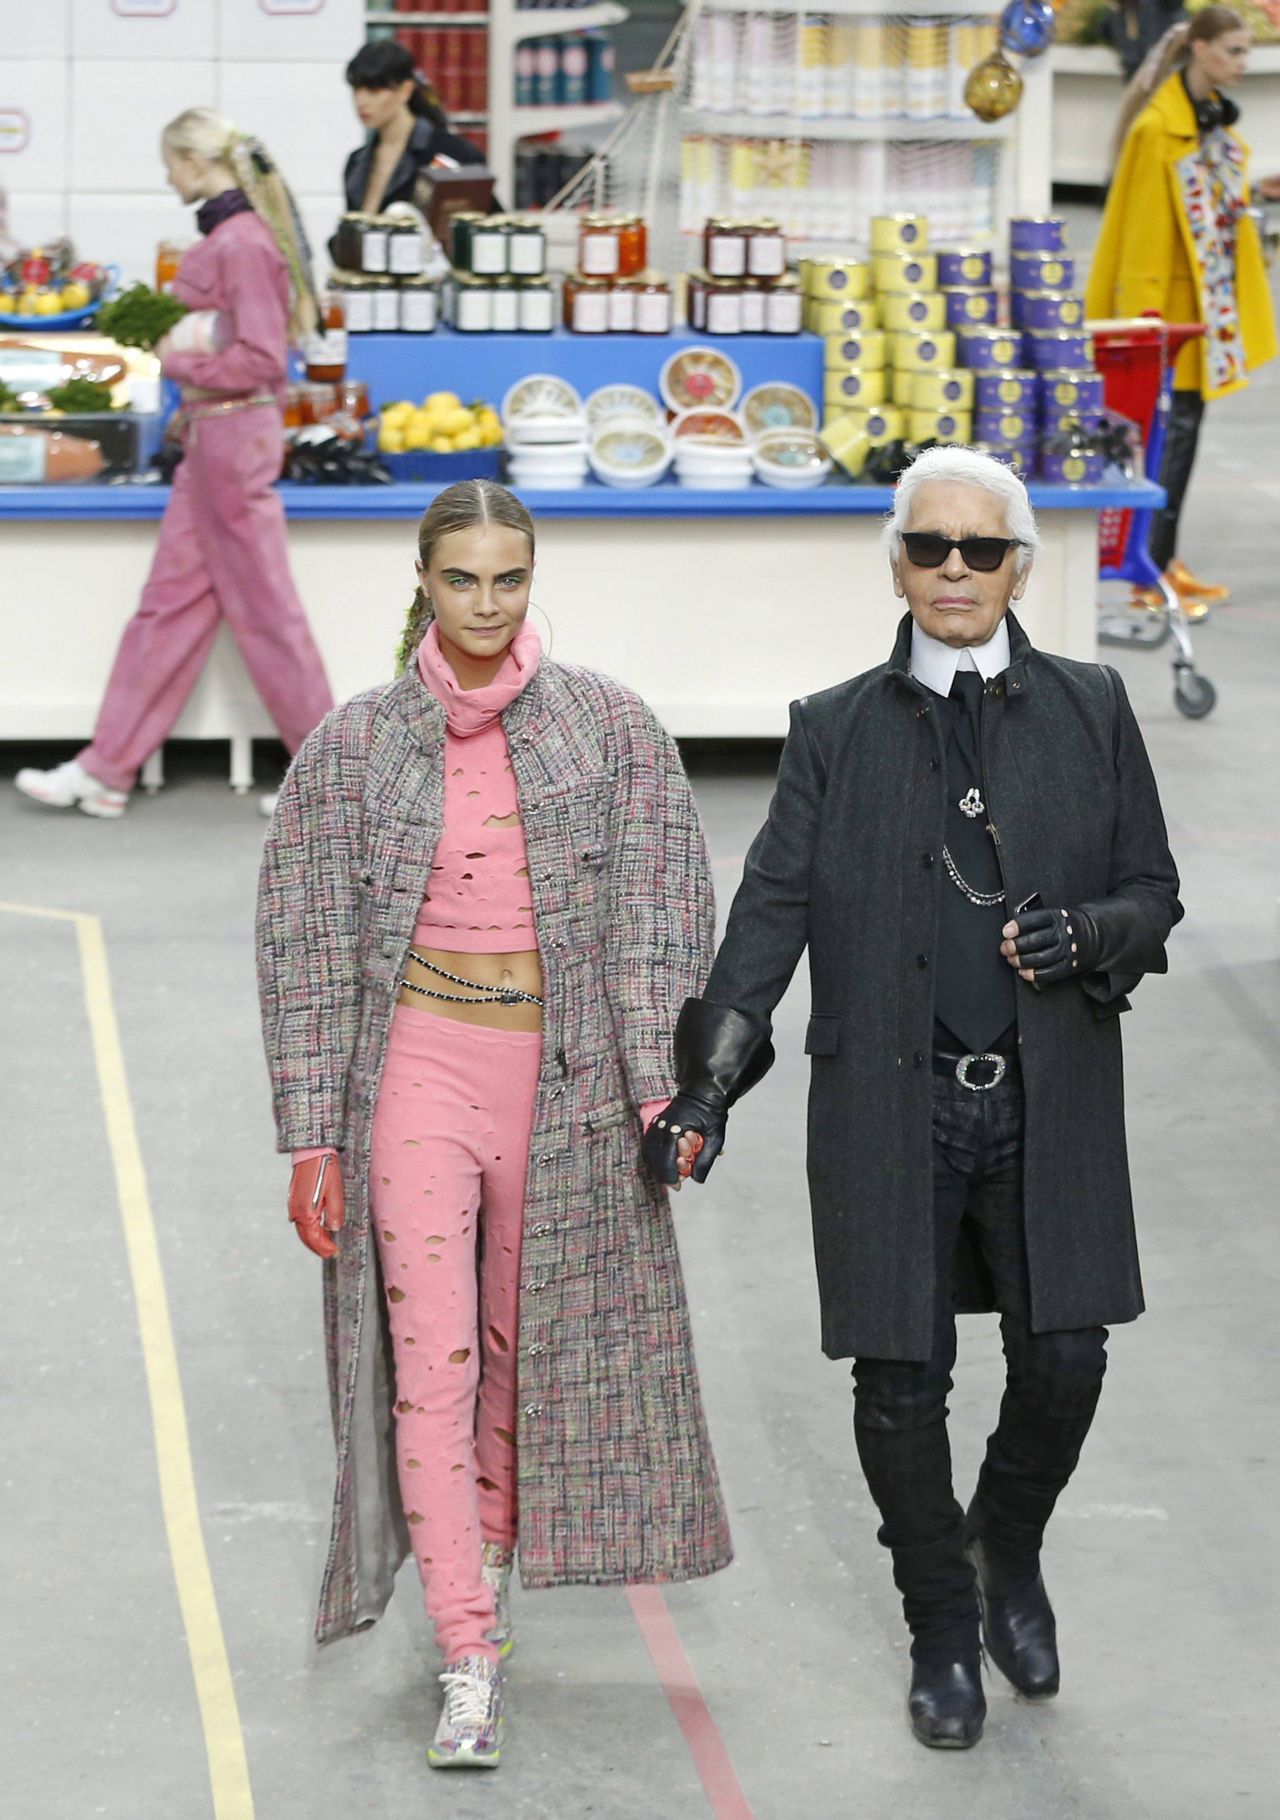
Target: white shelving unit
{"points": [[1021, 174], [510, 26]]}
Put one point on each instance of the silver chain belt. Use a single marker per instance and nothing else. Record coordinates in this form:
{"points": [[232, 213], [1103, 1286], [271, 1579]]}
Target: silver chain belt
{"points": [[488, 995]]}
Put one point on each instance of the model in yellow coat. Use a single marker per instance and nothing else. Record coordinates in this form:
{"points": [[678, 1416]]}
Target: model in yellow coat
{"points": [[1177, 239]]}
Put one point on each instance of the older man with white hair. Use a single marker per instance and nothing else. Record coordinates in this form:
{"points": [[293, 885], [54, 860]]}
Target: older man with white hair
{"points": [[969, 842]]}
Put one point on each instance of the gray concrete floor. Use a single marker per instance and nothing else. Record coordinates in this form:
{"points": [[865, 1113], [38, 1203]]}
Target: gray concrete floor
{"points": [[1161, 1561]]}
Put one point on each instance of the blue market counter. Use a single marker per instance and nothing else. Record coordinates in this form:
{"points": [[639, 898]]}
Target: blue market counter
{"points": [[718, 607]]}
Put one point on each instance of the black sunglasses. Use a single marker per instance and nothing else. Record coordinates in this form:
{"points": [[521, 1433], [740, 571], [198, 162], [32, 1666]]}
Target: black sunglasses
{"points": [[930, 549]]}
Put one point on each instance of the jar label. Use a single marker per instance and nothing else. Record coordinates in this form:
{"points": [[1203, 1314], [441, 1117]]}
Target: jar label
{"points": [[418, 311], [622, 312], [724, 313], [653, 314], [783, 311], [386, 310], [406, 254], [506, 312], [599, 255], [528, 255], [359, 309], [474, 310], [591, 311], [752, 313], [373, 250], [767, 256], [327, 349], [536, 311], [488, 253], [727, 256]]}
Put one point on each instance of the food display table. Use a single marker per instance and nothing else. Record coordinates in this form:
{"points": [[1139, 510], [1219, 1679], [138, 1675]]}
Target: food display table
{"points": [[719, 608]]}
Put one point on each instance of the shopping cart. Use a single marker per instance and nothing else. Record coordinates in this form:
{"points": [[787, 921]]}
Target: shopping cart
{"points": [[1136, 360]]}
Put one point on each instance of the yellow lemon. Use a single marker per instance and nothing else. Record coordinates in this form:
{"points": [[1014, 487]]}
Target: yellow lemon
{"points": [[417, 438], [48, 303], [391, 442], [397, 414], [27, 303], [76, 296], [446, 400], [470, 439], [441, 445]]}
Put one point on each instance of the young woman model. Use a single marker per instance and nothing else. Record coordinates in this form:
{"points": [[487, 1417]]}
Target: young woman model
{"points": [[222, 550], [484, 897], [407, 128], [1176, 239]]}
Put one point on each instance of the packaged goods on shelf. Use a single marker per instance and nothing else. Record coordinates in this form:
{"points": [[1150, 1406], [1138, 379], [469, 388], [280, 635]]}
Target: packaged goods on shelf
{"points": [[966, 308], [32, 456], [1041, 310]]}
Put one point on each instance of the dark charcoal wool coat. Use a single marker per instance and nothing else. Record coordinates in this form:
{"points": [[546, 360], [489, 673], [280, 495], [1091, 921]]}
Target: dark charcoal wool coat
{"points": [[849, 865], [616, 1478]]}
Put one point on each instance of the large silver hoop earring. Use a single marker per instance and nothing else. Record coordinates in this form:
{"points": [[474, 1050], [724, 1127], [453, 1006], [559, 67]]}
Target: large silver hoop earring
{"points": [[551, 632]]}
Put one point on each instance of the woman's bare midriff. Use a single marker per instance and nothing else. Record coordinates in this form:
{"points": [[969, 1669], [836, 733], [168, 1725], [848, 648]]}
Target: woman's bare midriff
{"points": [[519, 972]]}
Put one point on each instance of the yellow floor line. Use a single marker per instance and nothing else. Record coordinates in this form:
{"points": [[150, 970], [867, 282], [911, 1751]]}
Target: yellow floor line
{"points": [[224, 1741]]}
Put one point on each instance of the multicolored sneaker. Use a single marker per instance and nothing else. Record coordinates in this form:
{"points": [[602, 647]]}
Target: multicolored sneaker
{"points": [[70, 786], [496, 1563], [470, 1728]]}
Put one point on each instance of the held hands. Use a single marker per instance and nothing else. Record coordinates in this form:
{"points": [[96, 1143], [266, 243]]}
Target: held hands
{"points": [[685, 1139], [1045, 946], [316, 1204]]}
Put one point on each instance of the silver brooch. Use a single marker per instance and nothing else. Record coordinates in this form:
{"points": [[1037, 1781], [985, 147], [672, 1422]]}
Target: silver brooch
{"points": [[972, 805]]}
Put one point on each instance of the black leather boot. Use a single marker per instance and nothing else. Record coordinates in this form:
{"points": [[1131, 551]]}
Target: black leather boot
{"points": [[1018, 1626], [946, 1704]]}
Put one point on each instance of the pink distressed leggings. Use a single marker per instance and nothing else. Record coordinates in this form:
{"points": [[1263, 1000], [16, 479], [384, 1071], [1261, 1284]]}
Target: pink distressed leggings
{"points": [[450, 1148]]}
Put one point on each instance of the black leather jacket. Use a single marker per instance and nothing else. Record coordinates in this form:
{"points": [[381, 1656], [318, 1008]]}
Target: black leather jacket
{"points": [[425, 143]]}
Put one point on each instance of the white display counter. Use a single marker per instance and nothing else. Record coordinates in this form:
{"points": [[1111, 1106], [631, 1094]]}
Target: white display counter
{"points": [[718, 608]]}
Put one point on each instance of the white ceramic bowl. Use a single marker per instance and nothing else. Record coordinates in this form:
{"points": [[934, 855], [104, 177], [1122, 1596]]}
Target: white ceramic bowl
{"points": [[777, 405], [700, 377], [528, 432]]}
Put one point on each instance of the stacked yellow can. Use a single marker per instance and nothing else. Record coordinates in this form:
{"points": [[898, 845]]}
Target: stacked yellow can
{"points": [[891, 370]]}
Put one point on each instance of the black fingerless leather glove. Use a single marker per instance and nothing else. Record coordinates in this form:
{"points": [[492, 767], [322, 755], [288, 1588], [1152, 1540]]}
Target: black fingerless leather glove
{"points": [[719, 1054], [1057, 944]]}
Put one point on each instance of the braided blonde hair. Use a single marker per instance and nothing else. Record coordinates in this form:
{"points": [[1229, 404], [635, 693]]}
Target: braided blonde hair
{"points": [[202, 132]]}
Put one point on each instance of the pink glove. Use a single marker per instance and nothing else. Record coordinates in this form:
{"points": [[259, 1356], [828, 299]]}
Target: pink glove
{"points": [[316, 1204]]}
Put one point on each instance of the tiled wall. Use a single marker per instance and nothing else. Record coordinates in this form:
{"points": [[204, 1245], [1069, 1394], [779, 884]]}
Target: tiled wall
{"points": [[87, 85]]}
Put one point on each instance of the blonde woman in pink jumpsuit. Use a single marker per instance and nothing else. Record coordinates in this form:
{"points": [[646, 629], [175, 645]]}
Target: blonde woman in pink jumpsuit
{"points": [[222, 550]]}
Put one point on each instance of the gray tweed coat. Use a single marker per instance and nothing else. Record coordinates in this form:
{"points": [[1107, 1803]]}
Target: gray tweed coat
{"points": [[617, 1482]]}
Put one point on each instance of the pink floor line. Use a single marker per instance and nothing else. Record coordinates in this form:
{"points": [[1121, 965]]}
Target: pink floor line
{"points": [[706, 1746]]}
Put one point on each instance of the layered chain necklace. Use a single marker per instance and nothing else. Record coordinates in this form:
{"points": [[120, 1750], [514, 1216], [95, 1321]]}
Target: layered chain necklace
{"points": [[985, 900]]}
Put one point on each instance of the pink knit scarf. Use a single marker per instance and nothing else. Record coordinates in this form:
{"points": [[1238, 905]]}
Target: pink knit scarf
{"points": [[470, 711]]}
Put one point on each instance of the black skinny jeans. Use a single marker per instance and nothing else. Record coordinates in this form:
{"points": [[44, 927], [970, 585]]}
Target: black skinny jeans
{"points": [[1182, 433], [900, 1407]]}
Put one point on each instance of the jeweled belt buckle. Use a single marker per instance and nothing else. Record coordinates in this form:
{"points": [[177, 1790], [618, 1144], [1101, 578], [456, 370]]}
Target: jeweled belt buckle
{"points": [[998, 1062]]}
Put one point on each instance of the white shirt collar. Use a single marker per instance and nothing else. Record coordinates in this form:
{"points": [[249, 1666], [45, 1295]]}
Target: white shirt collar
{"points": [[935, 664]]}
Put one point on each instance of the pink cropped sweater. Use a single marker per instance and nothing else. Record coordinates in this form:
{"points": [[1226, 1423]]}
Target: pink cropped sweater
{"points": [[477, 901]]}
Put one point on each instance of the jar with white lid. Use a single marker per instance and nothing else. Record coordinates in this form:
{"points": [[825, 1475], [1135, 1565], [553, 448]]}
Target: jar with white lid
{"points": [[419, 306], [537, 306], [472, 304], [506, 306]]}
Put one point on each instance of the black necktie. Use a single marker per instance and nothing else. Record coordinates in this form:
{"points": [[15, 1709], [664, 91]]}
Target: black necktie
{"points": [[966, 692]]}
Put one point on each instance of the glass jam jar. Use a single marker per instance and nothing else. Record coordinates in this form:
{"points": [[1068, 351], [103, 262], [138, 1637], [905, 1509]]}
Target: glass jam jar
{"points": [[696, 300], [472, 304], [633, 246], [526, 248], [506, 306], [326, 352], [168, 259], [386, 305], [357, 301], [586, 303], [599, 247], [405, 255], [537, 306], [766, 250], [489, 238], [724, 307], [784, 307], [724, 245], [654, 308], [461, 228], [419, 306], [753, 306], [623, 299], [373, 239]]}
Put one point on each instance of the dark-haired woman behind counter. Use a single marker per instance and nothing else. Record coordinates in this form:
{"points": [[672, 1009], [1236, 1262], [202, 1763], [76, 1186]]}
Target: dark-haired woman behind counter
{"points": [[407, 128]]}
